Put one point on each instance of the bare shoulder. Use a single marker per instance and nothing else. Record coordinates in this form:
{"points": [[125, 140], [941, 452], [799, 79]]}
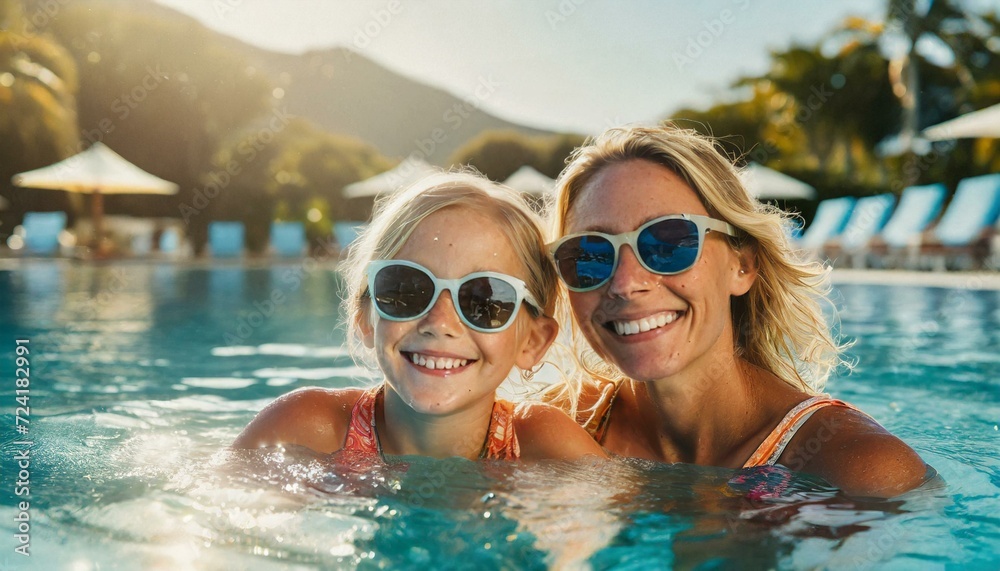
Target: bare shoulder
{"points": [[853, 452], [545, 431], [591, 393], [313, 417]]}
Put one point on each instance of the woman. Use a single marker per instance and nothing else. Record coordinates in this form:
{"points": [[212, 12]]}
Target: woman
{"points": [[709, 345]]}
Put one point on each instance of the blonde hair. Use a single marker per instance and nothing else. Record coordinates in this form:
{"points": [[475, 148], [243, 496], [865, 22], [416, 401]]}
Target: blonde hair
{"points": [[779, 323], [396, 216]]}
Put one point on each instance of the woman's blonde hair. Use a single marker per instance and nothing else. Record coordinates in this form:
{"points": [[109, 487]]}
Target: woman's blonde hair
{"points": [[779, 323], [396, 216]]}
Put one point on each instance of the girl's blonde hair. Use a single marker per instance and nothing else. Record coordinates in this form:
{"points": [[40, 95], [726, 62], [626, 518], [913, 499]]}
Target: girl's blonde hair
{"points": [[396, 216], [779, 324]]}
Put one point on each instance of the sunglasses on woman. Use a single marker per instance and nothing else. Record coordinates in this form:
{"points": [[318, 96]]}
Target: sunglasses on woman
{"points": [[667, 245], [486, 301]]}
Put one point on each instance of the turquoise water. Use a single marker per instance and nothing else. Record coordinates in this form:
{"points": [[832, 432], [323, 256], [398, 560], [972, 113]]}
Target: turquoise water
{"points": [[141, 374]]}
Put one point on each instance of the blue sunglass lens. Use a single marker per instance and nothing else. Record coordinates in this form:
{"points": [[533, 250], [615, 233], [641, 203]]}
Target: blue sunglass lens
{"points": [[666, 247], [669, 246], [586, 261]]}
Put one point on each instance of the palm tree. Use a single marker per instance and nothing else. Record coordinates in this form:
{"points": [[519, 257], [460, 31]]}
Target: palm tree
{"points": [[38, 82]]}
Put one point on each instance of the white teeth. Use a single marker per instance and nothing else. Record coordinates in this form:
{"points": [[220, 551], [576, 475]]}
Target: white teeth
{"points": [[644, 324], [433, 363]]}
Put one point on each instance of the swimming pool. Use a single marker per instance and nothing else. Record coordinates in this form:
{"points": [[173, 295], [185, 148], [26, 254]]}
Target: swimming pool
{"points": [[141, 373]]}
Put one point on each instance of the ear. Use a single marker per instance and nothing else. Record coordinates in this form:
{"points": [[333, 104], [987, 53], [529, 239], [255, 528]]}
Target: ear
{"points": [[365, 322], [743, 271], [541, 333]]}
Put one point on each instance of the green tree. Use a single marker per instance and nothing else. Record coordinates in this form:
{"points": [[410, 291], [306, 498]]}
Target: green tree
{"points": [[555, 150], [38, 82], [497, 154], [286, 174], [164, 92]]}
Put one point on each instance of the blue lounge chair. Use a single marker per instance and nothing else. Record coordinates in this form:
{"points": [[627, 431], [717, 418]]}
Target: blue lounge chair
{"points": [[288, 239], [141, 244], [918, 207], [831, 217], [898, 242], [226, 239], [170, 241], [41, 231], [963, 230], [346, 232], [867, 219]]}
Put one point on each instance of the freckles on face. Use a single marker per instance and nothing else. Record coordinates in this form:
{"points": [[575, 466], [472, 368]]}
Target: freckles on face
{"points": [[650, 325], [436, 363]]}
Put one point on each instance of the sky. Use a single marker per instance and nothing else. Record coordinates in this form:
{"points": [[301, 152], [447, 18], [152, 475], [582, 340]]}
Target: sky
{"points": [[568, 65]]}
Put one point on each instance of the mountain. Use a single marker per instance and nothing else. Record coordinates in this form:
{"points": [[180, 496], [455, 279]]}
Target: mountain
{"points": [[342, 91]]}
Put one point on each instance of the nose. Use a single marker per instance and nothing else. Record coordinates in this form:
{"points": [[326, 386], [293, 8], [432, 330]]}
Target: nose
{"points": [[442, 319], [630, 278]]}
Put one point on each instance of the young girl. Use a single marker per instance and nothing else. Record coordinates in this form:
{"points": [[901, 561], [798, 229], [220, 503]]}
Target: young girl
{"points": [[451, 288]]}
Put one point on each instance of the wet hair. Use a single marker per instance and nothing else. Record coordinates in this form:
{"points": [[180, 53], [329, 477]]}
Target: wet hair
{"points": [[396, 217], [779, 323]]}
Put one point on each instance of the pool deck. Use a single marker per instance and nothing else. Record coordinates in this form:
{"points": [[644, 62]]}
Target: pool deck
{"points": [[958, 280]]}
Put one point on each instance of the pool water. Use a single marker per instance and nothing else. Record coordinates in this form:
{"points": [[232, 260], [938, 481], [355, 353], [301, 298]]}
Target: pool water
{"points": [[141, 374]]}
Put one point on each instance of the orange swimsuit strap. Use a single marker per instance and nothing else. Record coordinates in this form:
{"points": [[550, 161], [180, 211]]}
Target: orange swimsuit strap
{"points": [[362, 436], [595, 420], [770, 449]]}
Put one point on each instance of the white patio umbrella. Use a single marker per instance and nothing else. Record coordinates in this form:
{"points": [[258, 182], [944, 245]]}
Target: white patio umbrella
{"points": [[763, 182], [983, 123], [96, 171], [406, 173], [529, 181]]}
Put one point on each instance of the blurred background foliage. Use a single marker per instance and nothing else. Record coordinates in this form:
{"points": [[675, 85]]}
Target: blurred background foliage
{"points": [[190, 106]]}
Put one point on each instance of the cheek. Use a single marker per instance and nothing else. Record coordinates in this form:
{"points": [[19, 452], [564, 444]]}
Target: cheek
{"points": [[587, 308], [387, 333], [503, 347]]}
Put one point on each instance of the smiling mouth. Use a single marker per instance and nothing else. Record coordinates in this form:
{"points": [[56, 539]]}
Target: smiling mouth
{"points": [[634, 327], [436, 363]]}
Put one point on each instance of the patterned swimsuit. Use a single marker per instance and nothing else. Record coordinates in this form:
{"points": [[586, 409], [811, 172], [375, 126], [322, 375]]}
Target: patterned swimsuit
{"points": [[767, 453]]}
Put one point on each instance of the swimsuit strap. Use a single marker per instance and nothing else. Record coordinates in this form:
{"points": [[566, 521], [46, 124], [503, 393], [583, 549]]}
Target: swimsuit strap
{"points": [[600, 414], [770, 449], [501, 440], [361, 435]]}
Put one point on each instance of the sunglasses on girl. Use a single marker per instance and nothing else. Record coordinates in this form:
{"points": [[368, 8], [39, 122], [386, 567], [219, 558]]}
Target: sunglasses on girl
{"points": [[486, 301], [667, 245]]}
